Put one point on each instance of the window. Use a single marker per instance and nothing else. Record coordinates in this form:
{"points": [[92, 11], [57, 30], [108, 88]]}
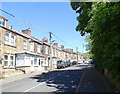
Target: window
{"points": [[20, 58], [24, 43], [35, 61], [7, 37], [32, 47], [5, 60], [11, 61], [2, 22], [38, 48], [39, 62], [42, 63], [10, 38], [13, 40]]}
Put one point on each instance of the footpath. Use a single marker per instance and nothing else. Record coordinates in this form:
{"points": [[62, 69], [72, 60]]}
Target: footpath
{"points": [[93, 81], [21, 76]]}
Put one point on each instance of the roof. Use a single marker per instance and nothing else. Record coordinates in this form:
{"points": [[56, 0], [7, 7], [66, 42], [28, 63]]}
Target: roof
{"points": [[3, 18], [36, 40], [28, 52], [56, 47], [46, 43], [17, 32]]}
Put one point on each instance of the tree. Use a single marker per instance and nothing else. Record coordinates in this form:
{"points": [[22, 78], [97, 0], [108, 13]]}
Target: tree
{"points": [[101, 21]]}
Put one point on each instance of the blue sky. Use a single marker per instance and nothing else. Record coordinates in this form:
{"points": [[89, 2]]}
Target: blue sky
{"points": [[56, 17]]}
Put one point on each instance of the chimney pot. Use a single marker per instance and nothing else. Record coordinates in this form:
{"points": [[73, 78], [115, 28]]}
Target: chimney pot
{"points": [[26, 31]]}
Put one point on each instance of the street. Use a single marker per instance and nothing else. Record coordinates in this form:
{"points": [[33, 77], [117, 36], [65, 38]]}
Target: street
{"points": [[62, 80]]}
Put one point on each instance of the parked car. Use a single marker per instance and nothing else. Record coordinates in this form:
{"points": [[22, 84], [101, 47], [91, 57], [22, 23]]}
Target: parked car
{"points": [[68, 63], [60, 64], [91, 61], [65, 64], [74, 62], [80, 61]]}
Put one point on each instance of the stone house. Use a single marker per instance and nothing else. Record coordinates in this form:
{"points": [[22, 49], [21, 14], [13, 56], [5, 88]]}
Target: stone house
{"points": [[46, 52], [20, 52]]}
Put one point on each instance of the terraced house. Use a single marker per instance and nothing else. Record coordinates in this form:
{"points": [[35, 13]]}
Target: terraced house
{"points": [[22, 53]]}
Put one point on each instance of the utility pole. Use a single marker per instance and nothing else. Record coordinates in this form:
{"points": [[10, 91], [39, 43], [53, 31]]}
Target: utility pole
{"points": [[50, 37], [77, 52]]}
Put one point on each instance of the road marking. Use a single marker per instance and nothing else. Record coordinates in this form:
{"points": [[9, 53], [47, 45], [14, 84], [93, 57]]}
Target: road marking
{"points": [[33, 87], [40, 84]]}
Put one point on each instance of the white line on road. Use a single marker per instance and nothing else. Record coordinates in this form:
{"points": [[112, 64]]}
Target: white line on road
{"points": [[33, 87], [40, 84]]}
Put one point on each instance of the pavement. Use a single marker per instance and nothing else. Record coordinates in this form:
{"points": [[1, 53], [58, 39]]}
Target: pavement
{"points": [[18, 77], [56, 81], [92, 81]]}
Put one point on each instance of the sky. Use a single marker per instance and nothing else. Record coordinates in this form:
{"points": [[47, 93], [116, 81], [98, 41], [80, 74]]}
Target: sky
{"points": [[44, 17]]}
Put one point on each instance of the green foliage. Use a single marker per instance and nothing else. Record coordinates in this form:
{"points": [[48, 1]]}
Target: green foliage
{"points": [[83, 9], [101, 20]]}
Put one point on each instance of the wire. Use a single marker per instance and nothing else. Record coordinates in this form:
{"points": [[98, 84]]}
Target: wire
{"points": [[61, 40], [7, 13], [23, 21]]}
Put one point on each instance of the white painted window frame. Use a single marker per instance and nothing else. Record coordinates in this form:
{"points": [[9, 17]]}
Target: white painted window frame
{"points": [[25, 42]]}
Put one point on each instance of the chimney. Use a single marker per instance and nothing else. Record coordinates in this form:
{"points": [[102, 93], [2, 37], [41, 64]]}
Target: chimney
{"points": [[45, 39], [26, 31], [62, 46], [6, 23], [56, 44]]}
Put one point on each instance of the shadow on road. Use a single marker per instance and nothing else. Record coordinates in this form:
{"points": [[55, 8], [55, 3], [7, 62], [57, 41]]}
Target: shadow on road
{"points": [[62, 80]]}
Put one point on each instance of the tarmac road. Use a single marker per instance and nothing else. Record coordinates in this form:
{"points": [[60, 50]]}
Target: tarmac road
{"points": [[62, 80]]}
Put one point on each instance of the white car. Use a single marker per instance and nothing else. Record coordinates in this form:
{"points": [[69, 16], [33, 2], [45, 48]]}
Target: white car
{"points": [[80, 61]]}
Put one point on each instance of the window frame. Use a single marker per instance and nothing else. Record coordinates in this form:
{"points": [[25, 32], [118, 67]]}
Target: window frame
{"points": [[12, 41], [38, 48], [25, 43], [1, 22], [12, 60], [7, 38], [32, 46], [6, 60]]}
